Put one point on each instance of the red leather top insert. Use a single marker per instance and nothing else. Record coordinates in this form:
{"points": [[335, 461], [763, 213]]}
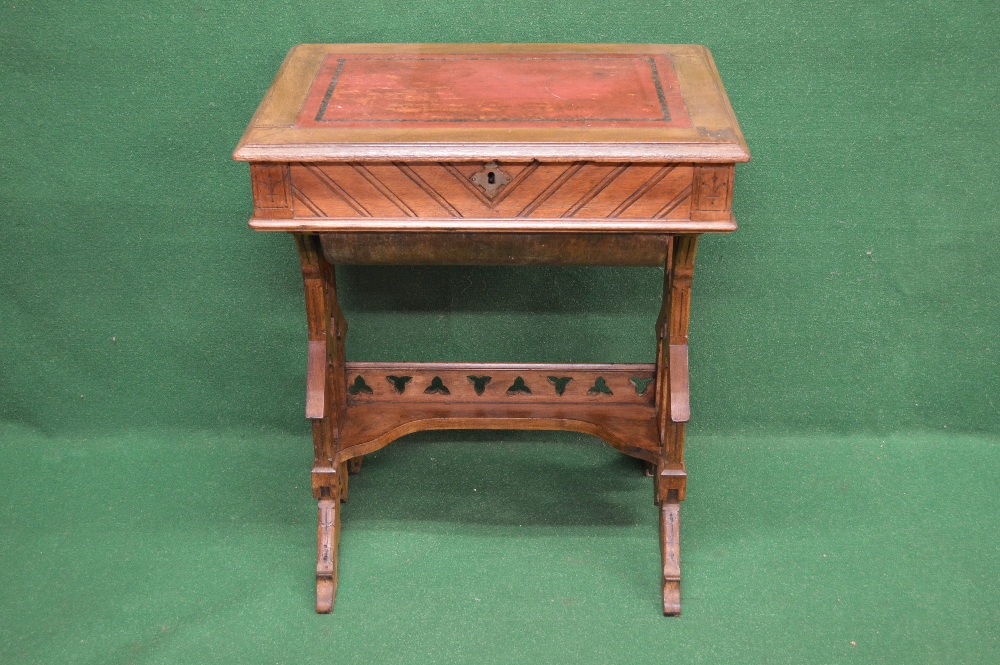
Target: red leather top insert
{"points": [[516, 90]]}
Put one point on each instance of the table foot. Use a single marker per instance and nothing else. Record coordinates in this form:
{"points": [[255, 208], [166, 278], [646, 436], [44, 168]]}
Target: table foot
{"points": [[354, 464], [328, 538], [670, 548]]}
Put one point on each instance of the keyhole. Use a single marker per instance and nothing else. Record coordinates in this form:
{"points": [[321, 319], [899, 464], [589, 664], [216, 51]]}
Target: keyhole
{"points": [[491, 178]]}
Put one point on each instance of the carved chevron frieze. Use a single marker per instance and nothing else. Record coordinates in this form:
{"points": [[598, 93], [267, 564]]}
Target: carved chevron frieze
{"points": [[588, 190]]}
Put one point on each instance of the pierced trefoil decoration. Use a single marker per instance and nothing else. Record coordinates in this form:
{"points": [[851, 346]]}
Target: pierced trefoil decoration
{"points": [[560, 383], [640, 384], [600, 387], [359, 386], [479, 383], [398, 382], [437, 387], [518, 387]]}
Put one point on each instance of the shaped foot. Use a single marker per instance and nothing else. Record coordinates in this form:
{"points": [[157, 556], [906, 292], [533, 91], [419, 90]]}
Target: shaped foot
{"points": [[328, 537], [670, 549]]}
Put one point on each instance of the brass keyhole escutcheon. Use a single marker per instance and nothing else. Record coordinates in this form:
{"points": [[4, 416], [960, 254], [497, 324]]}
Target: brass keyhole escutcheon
{"points": [[490, 179]]}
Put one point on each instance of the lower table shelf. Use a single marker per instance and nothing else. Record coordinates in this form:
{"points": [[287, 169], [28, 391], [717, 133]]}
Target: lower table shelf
{"points": [[368, 427], [388, 400]]}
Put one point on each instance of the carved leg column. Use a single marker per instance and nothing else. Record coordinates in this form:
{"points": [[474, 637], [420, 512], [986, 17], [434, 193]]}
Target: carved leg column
{"points": [[673, 409], [325, 406]]}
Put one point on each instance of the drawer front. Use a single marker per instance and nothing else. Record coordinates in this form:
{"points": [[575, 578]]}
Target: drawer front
{"points": [[488, 190]]}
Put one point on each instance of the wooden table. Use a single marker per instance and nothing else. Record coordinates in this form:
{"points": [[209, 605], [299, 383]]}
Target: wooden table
{"points": [[536, 154]]}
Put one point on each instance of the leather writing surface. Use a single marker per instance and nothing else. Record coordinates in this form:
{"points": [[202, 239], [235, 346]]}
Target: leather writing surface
{"points": [[512, 89]]}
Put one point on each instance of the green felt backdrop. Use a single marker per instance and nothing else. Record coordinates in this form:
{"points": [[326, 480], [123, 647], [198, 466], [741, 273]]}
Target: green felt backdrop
{"points": [[858, 301]]}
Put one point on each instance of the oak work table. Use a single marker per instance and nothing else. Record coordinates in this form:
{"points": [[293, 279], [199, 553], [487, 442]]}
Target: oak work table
{"points": [[493, 154]]}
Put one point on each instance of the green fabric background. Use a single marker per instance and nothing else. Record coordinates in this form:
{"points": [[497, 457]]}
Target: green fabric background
{"points": [[845, 364]]}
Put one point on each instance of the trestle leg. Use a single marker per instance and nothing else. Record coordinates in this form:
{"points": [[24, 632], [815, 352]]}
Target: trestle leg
{"points": [[670, 549], [328, 539]]}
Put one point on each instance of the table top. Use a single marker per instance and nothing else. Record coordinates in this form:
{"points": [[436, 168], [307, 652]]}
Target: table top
{"points": [[428, 102]]}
